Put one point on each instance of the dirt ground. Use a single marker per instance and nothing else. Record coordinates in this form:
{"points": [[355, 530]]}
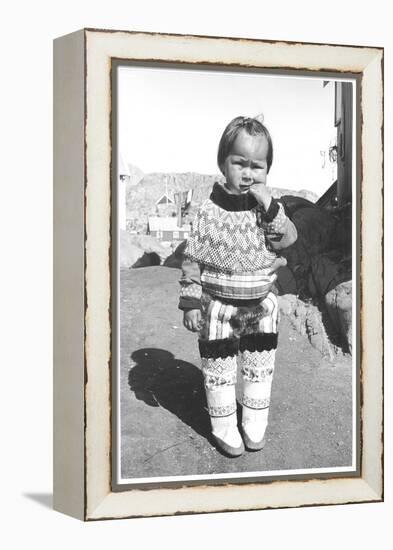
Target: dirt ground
{"points": [[164, 423]]}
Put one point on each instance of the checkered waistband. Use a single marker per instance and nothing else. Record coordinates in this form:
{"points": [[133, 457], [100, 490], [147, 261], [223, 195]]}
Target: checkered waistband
{"points": [[237, 286]]}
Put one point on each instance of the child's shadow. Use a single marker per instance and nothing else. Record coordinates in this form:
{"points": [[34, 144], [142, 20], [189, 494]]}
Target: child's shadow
{"points": [[161, 380]]}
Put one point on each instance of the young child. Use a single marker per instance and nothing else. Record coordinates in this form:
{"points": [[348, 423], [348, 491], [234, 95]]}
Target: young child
{"points": [[228, 271]]}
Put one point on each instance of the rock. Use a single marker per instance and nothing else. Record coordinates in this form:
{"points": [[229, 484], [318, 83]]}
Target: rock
{"points": [[147, 259], [150, 245], [287, 304], [316, 332], [129, 253], [176, 258], [339, 307], [307, 320]]}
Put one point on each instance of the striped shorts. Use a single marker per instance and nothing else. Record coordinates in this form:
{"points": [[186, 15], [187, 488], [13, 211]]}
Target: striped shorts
{"points": [[227, 319], [232, 333]]}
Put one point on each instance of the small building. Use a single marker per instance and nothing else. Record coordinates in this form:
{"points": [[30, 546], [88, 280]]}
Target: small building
{"points": [[165, 199], [165, 206], [166, 229]]}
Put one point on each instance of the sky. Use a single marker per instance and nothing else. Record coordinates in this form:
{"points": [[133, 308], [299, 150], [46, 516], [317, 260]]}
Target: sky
{"points": [[171, 120]]}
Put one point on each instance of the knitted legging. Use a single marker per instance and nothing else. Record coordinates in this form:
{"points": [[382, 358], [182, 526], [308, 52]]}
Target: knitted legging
{"points": [[233, 333]]}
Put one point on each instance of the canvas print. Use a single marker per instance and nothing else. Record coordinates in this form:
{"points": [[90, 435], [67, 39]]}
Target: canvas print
{"points": [[236, 273]]}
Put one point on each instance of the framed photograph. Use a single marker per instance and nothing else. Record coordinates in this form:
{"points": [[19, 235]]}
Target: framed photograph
{"points": [[218, 341]]}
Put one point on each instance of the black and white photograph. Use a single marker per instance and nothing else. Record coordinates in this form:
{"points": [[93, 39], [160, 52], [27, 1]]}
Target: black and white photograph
{"points": [[236, 270], [197, 275]]}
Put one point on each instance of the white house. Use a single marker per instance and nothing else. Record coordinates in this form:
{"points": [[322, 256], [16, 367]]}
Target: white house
{"points": [[166, 229]]}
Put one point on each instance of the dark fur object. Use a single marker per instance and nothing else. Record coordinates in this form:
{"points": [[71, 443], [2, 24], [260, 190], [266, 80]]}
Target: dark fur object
{"points": [[246, 320], [258, 342], [212, 349]]}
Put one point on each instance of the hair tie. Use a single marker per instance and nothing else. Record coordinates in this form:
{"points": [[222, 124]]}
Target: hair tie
{"points": [[260, 118]]}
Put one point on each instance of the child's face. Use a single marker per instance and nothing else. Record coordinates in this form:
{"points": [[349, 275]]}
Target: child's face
{"points": [[246, 163]]}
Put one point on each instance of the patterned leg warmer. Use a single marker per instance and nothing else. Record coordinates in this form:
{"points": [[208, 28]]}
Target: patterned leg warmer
{"points": [[257, 357], [219, 368], [257, 373]]}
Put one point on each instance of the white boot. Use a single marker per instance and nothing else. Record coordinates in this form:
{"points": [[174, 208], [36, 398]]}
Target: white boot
{"points": [[221, 402], [254, 420], [257, 373]]}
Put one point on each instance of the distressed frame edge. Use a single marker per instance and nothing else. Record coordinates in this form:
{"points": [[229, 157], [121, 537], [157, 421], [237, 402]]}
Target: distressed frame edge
{"points": [[68, 270], [361, 493], [375, 492]]}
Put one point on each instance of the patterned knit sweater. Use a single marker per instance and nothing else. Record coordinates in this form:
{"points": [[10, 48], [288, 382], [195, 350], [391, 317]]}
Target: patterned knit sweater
{"points": [[229, 253]]}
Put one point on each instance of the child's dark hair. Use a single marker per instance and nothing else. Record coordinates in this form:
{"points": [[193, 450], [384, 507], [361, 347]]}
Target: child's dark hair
{"points": [[253, 127]]}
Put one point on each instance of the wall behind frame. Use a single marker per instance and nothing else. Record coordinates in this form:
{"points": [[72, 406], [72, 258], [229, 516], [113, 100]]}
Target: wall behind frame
{"points": [[26, 520], [68, 292]]}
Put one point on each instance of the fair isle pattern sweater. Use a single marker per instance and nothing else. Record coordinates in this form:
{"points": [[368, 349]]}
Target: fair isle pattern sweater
{"points": [[228, 241], [227, 253]]}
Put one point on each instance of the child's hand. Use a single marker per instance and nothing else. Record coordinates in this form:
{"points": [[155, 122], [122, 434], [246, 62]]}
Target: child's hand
{"points": [[280, 261], [192, 319], [262, 194]]}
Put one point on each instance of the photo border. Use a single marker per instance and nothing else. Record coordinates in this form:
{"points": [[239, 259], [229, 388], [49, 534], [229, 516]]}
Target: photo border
{"points": [[83, 487], [252, 476]]}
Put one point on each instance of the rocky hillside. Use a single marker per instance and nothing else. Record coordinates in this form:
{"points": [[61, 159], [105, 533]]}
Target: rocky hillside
{"points": [[144, 191]]}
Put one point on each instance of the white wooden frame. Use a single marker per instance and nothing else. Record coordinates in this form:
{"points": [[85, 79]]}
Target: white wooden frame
{"points": [[82, 252]]}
